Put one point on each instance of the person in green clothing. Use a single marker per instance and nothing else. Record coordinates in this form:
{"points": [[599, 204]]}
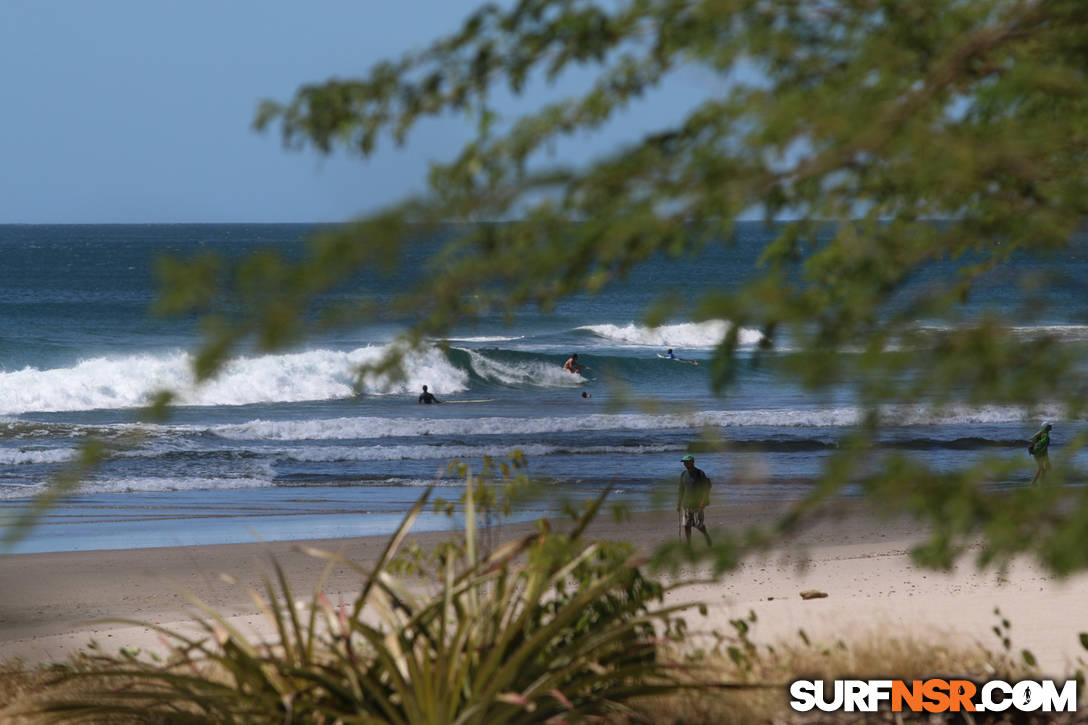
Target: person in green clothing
{"points": [[1040, 444], [693, 497]]}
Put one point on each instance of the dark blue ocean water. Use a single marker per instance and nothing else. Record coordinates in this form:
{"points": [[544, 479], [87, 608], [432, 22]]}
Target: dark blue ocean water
{"points": [[280, 447]]}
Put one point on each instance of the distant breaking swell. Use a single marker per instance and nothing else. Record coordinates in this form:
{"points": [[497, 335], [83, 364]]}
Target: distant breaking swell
{"points": [[299, 452], [130, 381], [912, 444], [733, 424]]}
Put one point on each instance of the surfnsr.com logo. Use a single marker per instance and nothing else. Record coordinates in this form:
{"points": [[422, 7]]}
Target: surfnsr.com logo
{"points": [[933, 695]]}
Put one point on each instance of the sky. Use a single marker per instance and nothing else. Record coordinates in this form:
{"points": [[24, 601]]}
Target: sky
{"points": [[129, 111]]}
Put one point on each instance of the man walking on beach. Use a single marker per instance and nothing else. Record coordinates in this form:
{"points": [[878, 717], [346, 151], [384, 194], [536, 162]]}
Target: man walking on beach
{"points": [[1040, 444], [694, 496]]}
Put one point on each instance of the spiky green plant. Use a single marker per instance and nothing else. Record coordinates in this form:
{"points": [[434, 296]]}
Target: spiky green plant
{"points": [[546, 627]]}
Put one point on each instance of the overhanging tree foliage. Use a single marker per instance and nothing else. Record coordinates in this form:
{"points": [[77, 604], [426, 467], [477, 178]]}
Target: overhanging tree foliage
{"points": [[861, 121]]}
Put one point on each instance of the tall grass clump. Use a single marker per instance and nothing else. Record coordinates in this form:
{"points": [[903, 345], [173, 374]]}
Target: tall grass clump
{"points": [[546, 627]]}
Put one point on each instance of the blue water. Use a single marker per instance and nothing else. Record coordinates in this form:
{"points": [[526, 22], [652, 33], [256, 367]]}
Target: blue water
{"points": [[280, 446]]}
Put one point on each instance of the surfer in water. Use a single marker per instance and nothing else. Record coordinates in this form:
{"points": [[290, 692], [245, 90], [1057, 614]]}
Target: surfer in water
{"points": [[672, 356], [572, 365], [427, 398]]}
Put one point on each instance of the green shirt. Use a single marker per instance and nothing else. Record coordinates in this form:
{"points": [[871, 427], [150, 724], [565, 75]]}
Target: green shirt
{"points": [[1040, 442], [694, 489]]}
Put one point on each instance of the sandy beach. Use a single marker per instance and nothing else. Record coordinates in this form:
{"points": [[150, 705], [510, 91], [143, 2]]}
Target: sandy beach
{"points": [[50, 603]]}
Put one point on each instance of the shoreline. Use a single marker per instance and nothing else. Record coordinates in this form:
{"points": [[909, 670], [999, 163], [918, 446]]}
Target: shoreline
{"points": [[51, 603]]}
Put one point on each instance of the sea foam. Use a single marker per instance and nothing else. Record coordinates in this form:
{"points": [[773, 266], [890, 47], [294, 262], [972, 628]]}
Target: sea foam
{"points": [[20, 456], [328, 454], [129, 381], [680, 335], [348, 428], [527, 373]]}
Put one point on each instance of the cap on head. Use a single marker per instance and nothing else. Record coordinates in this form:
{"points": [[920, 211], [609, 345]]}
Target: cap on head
{"points": [[687, 458], [1048, 426]]}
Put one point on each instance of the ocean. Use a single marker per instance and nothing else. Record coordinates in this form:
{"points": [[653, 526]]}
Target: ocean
{"points": [[281, 447]]}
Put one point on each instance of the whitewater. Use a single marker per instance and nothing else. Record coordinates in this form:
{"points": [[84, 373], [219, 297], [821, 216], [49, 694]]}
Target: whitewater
{"points": [[290, 442]]}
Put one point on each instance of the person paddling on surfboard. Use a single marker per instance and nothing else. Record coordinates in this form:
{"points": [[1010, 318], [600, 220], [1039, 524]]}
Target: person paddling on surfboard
{"points": [[572, 365], [671, 356], [427, 398]]}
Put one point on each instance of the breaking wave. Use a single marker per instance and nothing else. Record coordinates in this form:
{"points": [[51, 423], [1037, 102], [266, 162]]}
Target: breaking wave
{"points": [[681, 335], [130, 381], [379, 427]]}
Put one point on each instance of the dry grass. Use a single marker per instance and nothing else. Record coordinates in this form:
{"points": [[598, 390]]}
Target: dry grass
{"points": [[757, 675], [758, 681], [548, 626], [17, 682], [22, 685]]}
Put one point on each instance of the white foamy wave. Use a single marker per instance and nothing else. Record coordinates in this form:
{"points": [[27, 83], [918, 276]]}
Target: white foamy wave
{"points": [[837, 417], [893, 415], [683, 335], [905, 415], [485, 338], [1066, 333], [531, 372], [17, 456], [328, 454], [1071, 333], [418, 483], [146, 484], [372, 427], [128, 382], [149, 484], [966, 415]]}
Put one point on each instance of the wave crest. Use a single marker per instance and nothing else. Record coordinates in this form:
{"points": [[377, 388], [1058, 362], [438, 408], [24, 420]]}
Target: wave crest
{"points": [[375, 427], [526, 372], [129, 381], [680, 335]]}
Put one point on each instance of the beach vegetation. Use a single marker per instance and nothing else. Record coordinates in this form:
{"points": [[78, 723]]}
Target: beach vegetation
{"points": [[879, 140], [544, 627], [721, 677], [769, 669]]}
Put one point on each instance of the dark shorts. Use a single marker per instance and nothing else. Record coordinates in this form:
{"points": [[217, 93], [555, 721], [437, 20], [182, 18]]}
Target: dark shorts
{"points": [[693, 517]]}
